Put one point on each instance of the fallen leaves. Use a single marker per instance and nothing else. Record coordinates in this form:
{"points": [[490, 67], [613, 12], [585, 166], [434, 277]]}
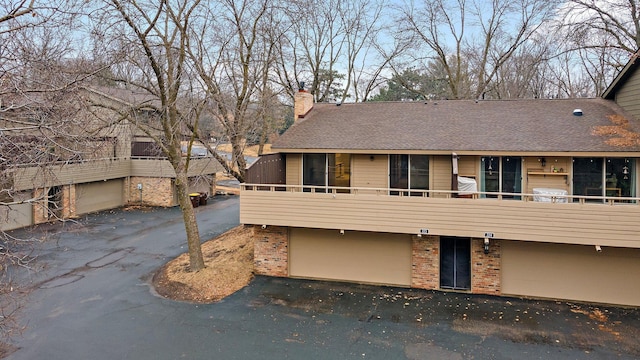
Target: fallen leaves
{"points": [[621, 135], [228, 268]]}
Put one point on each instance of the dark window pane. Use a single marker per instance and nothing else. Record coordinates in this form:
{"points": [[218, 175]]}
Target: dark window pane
{"points": [[490, 175], [512, 176], [313, 170], [398, 172], [587, 177], [619, 178], [419, 172]]}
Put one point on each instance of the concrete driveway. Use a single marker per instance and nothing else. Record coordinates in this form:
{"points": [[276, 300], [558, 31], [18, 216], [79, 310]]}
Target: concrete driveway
{"points": [[93, 301]]}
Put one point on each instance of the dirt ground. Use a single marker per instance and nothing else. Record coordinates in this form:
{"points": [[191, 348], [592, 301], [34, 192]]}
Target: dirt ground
{"points": [[229, 267]]}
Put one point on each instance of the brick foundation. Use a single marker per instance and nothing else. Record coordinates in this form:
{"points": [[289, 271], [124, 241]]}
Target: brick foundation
{"points": [[155, 191], [425, 262], [485, 268], [271, 251], [40, 207], [69, 201]]}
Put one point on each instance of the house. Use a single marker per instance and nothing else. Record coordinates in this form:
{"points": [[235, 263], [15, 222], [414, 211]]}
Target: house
{"points": [[379, 193], [116, 166]]}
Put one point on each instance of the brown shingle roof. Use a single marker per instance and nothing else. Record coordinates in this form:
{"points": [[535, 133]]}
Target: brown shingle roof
{"points": [[457, 125]]}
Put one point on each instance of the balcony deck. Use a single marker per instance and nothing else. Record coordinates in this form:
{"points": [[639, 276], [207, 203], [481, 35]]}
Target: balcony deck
{"points": [[30, 176], [589, 220]]}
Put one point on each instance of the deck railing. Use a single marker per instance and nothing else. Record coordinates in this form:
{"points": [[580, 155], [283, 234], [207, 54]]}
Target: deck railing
{"points": [[569, 219], [448, 194]]}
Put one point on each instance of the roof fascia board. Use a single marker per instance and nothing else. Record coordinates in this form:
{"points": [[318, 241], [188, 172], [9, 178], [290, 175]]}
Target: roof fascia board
{"points": [[465, 152]]}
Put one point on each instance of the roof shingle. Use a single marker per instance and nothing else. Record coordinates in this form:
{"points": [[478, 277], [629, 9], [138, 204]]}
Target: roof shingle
{"points": [[458, 125]]}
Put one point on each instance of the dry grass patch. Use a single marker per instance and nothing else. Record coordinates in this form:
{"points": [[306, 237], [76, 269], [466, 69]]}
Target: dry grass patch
{"points": [[229, 267], [248, 151]]}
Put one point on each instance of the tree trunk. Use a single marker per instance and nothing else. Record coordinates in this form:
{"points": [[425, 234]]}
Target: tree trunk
{"points": [[191, 226]]}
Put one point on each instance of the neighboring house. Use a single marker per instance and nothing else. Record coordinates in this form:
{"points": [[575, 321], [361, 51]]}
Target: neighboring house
{"points": [[371, 195], [126, 171]]}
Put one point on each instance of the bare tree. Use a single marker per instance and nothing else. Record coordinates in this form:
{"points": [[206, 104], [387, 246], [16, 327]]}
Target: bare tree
{"points": [[600, 36], [153, 37], [231, 55], [39, 117], [611, 24], [472, 40], [316, 44]]}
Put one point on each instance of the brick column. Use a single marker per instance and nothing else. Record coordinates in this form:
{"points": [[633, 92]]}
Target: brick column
{"points": [[69, 201], [485, 268], [425, 262], [40, 207], [271, 251]]}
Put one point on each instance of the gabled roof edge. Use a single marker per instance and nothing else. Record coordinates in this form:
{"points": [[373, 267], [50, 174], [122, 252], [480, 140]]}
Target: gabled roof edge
{"points": [[622, 76]]}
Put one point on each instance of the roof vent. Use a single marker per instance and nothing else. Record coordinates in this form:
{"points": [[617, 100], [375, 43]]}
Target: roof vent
{"points": [[577, 112]]}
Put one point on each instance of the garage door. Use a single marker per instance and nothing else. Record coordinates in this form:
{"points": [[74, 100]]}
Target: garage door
{"points": [[355, 256], [100, 195], [15, 216], [571, 272]]}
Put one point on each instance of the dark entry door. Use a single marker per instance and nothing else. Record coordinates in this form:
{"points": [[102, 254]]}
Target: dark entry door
{"points": [[455, 263]]}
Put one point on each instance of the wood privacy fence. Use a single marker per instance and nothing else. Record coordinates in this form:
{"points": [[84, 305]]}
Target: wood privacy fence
{"points": [[268, 169]]}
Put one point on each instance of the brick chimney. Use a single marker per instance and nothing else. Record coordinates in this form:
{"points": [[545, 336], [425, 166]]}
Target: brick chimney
{"points": [[302, 103]]}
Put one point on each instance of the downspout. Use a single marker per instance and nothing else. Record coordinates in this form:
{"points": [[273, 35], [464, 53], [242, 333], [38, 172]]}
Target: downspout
{"points": [[454, 173]]}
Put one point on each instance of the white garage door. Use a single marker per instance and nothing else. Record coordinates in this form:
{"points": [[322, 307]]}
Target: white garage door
{"points": [[99, 195], [571, 272], [355, 256]]}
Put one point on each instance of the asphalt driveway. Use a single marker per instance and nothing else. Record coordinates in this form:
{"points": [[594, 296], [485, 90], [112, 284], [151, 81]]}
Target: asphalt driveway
{"points": [[93, 300]]}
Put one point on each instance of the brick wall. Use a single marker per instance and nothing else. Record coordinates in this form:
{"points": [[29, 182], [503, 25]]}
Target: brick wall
{"points": [[425, 262], [485, 268], [271, 251], [40, 208], [69, 201], [155, 191]]}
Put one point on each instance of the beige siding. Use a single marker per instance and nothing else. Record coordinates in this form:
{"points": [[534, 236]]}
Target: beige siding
{"points": [[163, 168], [15, 216], [294, 169], [54, 175], [628, 96], [574, 223], [354, 256], [571, 272], [468, 166], [441, 173], [370, 171], [537, 176], [98, 196]]}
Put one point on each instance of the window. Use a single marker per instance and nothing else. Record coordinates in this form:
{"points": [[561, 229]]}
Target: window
{"points": [[408, 172], [314, 170], [610, 177], [324, 170], [619, 179], [501, 174]]}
